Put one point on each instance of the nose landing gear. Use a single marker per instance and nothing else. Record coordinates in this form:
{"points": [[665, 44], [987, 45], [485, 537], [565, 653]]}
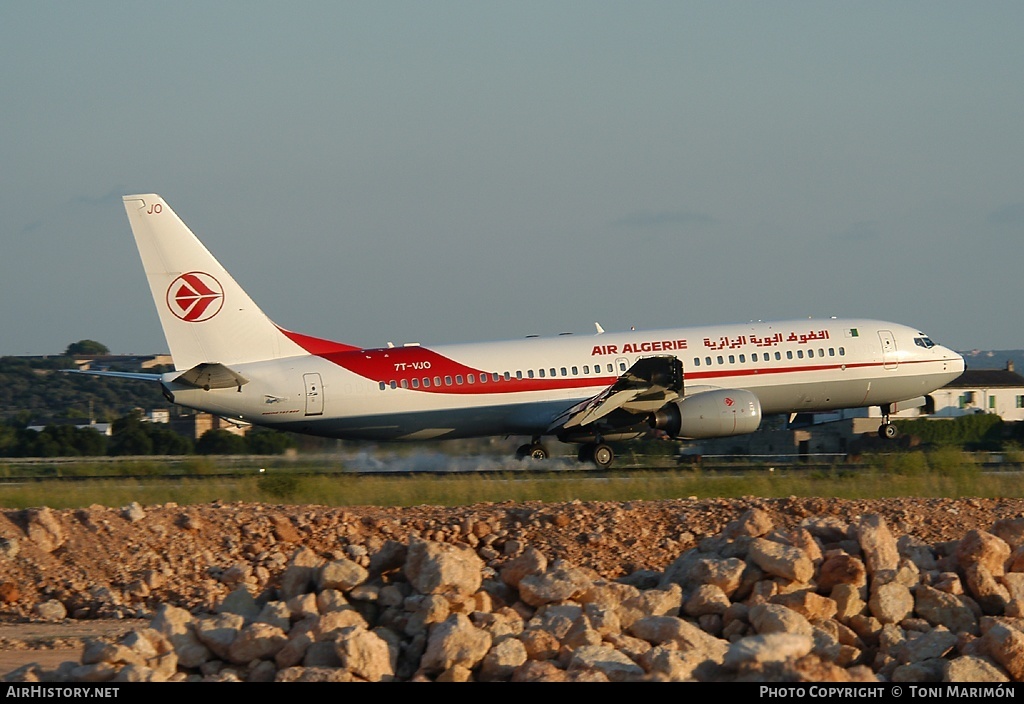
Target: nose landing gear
{"points": [[887, 431]]}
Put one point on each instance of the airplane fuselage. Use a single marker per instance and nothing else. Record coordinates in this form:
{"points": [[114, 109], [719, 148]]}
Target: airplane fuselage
{"points": [[414, 392]]}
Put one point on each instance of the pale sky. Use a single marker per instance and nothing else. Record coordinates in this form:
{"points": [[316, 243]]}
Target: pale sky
{"points": [[464, 171]]}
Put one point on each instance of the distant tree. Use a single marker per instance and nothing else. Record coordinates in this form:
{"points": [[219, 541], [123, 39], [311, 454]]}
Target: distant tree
{"points": [[32, 443], [132, 441], [85, 347], [976, 431], [8, 440], [168, 442], [263, 441], [221, 442], [69, 441], [128, 437], [36, 387]]}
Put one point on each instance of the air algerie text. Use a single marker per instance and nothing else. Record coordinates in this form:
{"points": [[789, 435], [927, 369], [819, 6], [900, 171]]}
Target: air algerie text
{"points": [[634, 347]]}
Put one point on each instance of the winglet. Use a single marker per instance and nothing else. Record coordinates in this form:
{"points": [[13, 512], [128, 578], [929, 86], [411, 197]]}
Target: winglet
{"points": [[600, 330]]}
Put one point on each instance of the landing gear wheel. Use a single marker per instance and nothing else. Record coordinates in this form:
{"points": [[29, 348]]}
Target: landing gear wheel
{"points": [[534, 451], [603, 456], [887, 431]]}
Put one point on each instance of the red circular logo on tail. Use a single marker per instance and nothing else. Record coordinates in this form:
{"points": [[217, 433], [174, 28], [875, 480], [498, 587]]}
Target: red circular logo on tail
{"points": [[195, 297]]}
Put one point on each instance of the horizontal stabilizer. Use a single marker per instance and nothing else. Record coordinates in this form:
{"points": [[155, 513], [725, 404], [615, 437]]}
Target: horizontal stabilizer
{"points": [[141, 376], [211, 376]]}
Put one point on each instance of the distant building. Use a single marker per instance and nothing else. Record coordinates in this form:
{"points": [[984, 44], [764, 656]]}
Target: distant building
{"points": [[124, 362], [195, 424], [996, 391], [191, 425], [157, 415], [79, 423]]}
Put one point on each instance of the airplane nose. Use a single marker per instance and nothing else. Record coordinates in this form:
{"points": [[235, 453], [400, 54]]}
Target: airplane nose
{"points": [[956, 361]]}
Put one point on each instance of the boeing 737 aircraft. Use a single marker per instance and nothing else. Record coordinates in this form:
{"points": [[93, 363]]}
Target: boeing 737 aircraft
{"points": [[690, 383]]}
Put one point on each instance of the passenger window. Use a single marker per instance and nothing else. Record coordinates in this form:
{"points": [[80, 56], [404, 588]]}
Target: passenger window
{"points": [[447, 381], [529, 373], [753, 357], [519, 375], [393, 384], [553, 372], [622, 366], [586, 368], [540, 373], [778, 355], [405, 383], [831, 351], [437, 381], [426, 382], [458, 379], [732, 359], [383, 386], [743, 358], [565, 372], [721, 359], [842, 351], [696, 361], [821, 352], [707, 361], [415, 383], [789, 354]]}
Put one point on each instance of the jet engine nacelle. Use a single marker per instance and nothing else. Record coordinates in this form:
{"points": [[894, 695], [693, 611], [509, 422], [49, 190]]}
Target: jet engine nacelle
{"points": [[710, 414]]}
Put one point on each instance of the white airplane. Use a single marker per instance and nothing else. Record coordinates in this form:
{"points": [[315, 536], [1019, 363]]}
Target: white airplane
{"points": [[231, 360]]}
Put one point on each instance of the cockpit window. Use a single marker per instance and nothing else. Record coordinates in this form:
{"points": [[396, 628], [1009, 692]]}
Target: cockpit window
{"points": [[924, 342]]}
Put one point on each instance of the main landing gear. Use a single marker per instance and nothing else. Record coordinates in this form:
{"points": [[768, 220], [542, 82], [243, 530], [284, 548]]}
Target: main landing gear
{"points": [[535, 451], [599, 453]]}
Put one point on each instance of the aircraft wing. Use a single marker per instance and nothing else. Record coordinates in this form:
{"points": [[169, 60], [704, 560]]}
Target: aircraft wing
{"points": [[644, 388]]}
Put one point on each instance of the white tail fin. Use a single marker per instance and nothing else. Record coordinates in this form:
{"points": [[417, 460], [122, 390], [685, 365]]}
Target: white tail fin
{"points": [[205, 314]]}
